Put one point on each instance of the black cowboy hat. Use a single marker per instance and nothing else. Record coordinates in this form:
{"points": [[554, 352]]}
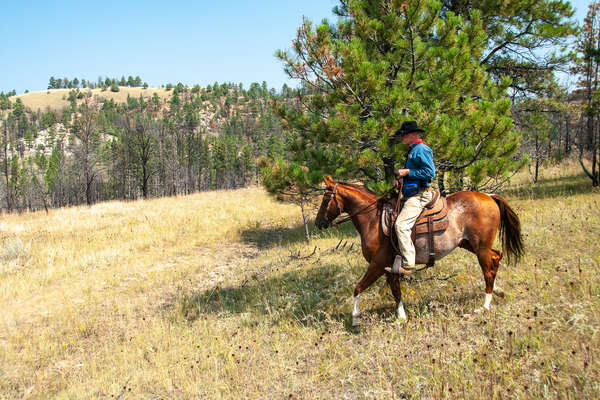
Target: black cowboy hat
{"points": [[408, 127]]}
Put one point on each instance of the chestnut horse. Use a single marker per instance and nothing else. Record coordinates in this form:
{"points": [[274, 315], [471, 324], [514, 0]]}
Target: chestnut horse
{"points": [[474, 219]]}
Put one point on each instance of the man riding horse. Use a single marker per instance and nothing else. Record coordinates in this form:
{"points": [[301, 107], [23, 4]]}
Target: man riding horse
{"points": [[473, 220], [418, 172]]}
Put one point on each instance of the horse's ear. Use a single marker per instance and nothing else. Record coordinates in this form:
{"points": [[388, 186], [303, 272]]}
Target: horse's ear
{"points": [[328, 180]]}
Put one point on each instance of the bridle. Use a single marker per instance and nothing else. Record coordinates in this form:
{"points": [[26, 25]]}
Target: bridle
{"points": [[333, 196]]}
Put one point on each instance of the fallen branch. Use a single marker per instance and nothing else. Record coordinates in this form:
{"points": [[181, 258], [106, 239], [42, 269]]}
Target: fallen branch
{"points": [[124, 389], [431, 278], [296, 256]]}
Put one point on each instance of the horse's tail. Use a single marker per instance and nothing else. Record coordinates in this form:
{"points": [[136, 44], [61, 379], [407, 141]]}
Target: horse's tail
{"points": [[510, 230]]}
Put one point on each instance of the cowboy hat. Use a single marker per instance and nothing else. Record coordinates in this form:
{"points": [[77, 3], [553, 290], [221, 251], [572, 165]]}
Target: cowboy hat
{"points": [[408, 127]]}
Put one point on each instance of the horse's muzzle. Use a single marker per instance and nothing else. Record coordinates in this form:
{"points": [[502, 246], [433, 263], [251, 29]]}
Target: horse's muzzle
{"points": [[322, 223]]}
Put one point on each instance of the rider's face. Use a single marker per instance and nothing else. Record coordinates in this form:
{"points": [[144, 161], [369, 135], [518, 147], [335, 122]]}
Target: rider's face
{"points": [[409, 138]]}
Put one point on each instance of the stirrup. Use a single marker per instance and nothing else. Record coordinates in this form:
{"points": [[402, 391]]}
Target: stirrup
{"points": [[399, 268]]}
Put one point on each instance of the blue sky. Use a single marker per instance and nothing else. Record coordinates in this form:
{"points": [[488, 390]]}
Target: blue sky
{"points": [[193, 42]]}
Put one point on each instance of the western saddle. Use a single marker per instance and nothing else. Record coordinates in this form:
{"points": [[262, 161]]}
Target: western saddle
{"points": [[433, 218]]}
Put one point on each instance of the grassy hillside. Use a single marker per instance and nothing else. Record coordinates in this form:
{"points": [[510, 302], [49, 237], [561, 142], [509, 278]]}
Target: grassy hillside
{"points": [[57, 99], [216, 295]]}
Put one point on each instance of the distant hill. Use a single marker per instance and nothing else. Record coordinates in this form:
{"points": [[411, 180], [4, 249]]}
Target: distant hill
{"points": [[57, 99], [68, 146]]}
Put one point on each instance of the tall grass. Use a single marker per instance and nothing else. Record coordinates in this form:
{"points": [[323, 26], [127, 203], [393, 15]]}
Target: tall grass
{"points": [[216, 295]]}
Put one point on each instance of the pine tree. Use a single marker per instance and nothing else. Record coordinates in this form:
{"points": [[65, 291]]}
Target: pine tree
{"points": [[5, 162], [87, 148], [516, 31], [14, 179], [387, 62], [140, 137], [587, 65]]}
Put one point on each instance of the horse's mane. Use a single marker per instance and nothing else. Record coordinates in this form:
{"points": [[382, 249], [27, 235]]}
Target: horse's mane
{"points": [[361, 188]]}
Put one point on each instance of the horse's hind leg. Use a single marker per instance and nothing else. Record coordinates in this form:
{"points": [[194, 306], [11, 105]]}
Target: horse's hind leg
{"points": [[496, 260], [394, 281], [489, 261]]}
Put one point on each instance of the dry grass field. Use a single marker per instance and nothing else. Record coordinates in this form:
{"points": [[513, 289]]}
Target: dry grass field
{"points": [[215, 295], [57, 99]]}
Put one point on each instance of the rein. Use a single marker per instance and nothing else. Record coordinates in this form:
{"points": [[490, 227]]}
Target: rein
{"points": [[333, 194]]}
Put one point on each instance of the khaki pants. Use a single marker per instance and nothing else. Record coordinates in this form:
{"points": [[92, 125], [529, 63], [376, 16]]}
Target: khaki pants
{"points": [[406, 220]]}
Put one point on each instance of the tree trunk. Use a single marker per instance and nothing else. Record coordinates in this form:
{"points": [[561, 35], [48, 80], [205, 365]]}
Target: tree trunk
{"points": [[441, 185], [45, 203], [590, 130], [88, 192], [567, 138], [305, 221], [593, 175], [6, 174], [595, 169], [144, 180], [388, 168], [537, 158]]}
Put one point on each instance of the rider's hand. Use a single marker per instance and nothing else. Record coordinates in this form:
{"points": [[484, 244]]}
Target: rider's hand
{"points": [[402, 172]]}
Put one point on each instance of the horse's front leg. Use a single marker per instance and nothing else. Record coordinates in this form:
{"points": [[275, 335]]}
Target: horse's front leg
{"points": [[394, 281], [373, 273]]}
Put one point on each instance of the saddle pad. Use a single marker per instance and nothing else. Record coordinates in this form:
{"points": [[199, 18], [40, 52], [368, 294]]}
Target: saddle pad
{"points": [[438, 212]]}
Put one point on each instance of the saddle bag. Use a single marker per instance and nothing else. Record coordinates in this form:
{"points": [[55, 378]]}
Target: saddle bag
{"points": [[410, 188]]}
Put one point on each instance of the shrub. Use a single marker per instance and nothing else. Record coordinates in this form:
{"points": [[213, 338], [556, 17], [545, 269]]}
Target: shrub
{"points": [[15, 249]]}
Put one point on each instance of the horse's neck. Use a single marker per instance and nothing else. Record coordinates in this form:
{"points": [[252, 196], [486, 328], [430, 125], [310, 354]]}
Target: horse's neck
{"points": [[361, 206]]}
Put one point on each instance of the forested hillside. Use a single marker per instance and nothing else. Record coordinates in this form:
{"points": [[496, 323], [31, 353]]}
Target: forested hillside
{"points": [[489, 104], [94, 149]]}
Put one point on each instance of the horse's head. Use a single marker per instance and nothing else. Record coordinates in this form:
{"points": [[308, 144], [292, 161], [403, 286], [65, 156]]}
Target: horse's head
{"points": [[331, 206]]}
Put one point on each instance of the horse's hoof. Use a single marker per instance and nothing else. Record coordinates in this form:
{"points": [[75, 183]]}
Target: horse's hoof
{"points": [[355, 322], [499, 292], [481, 310], [401, 320]]}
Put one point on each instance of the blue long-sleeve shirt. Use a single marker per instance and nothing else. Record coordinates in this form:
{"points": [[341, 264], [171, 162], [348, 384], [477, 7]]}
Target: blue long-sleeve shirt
{"points": [[420, 163]]}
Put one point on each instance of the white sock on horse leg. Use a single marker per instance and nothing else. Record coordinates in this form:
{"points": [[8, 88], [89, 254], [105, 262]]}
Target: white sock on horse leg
{"points": [[488, 301], [356, 310], [401, 312]]}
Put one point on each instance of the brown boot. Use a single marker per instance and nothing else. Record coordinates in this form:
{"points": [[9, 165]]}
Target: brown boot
{"points": [[399, 267]]}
